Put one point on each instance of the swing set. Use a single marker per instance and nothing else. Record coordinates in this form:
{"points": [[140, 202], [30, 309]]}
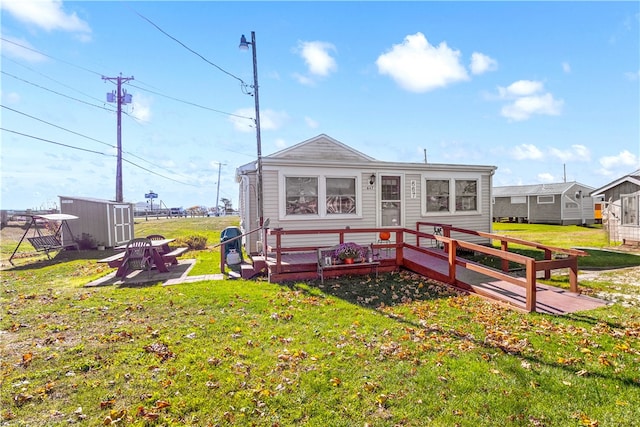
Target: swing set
{"points": [[47, 242]]}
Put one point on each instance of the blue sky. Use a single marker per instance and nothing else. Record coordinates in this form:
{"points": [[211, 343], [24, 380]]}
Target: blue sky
{"points": [[534, 88]]}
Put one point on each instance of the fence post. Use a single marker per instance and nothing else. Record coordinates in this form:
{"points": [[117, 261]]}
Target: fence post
{"points": [[453, 245], [504, 246], [399, 246], [573, 274], [531, 285]]}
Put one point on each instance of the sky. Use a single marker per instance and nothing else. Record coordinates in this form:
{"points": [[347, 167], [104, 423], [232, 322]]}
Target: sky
{"points": [[544, 91]]}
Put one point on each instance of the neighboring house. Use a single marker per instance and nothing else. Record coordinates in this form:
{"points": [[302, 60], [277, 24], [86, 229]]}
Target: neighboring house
{"points": [[322, 183], [621, 211], [560, 203]]}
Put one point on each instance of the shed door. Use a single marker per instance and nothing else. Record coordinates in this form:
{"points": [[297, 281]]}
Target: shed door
{"points": [[122, 226]]}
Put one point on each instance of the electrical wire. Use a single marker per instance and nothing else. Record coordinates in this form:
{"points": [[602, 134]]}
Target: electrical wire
{"points": [[96, 152], [184, 45]]}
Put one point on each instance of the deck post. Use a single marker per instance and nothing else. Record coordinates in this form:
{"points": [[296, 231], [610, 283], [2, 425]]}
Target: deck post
{"points": [[452, 261], [504, 246], [573, 274], [531, 285], [547, 255], [399, 246], [279, 252]]}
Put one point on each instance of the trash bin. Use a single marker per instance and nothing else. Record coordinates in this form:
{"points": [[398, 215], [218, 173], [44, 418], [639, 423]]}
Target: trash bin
{"points": [[232, 250]]}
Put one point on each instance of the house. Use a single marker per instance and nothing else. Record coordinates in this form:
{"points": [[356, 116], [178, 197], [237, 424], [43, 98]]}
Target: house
{"points": [[107, 222], [323, 183], [562, 203], [620, 212]]}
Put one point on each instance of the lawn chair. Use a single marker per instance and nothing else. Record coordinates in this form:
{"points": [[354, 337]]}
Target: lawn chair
{"points": [[139, 255], [165, 248]]}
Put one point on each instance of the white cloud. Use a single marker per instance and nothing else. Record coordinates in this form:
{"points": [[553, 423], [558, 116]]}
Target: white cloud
{"points": [[527, 100], [141, 107], [546, 177], [566, 67], [281, 143], [520, 88], [21, 49], [269, 120], [577, 152], [48, 15], [317, 56], [417, 66], [481, 63], [304, 80], [11, 97], [311, 123], [633, 76], [624, 159], [527, 152]]}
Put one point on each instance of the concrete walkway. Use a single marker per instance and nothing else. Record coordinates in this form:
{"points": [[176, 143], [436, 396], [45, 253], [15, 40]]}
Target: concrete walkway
{"points": [[177, 274]]}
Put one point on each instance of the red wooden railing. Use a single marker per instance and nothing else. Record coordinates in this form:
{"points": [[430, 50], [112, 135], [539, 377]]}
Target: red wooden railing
{"points": [[449, 253]]}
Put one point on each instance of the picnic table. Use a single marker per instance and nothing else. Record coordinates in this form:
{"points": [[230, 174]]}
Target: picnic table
{"points": [[156, 253]]}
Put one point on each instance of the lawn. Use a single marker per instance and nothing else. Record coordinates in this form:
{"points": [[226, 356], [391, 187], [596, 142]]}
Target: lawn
{"points": [[399, 350]]}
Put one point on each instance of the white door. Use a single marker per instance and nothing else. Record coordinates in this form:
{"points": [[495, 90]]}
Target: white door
{"points": [[391, 201], [122, 226]]}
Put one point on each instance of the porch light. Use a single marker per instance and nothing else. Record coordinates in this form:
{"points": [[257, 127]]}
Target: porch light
{"points": [[372, 179]]}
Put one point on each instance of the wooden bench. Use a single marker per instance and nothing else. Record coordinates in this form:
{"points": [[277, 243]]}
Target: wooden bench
{"points": [[114, 261], [328, 262], [171, 257]]}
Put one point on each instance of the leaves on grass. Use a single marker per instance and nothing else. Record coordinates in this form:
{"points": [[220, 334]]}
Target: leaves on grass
{"points": [[161, 350]]}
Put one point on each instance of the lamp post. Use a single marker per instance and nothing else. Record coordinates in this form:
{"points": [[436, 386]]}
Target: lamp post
{"points": [[244, 45]]}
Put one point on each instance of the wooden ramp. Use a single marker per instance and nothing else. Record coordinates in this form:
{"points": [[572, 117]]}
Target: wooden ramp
{"points": [[549, 299]]}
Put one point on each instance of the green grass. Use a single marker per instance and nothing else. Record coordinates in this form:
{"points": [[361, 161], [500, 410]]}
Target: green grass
{"points": [[399, 350]]}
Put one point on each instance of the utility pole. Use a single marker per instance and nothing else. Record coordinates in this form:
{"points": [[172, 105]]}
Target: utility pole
{"points": [[218, 192], [120, 98]]}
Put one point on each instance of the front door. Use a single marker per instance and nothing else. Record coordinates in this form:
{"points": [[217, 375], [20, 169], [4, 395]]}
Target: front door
{"points": [[391, 201]]}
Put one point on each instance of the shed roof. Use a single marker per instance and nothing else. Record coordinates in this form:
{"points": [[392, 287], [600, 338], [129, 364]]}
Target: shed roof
{"points": [[534, 189], [93, 200], [633, 177]]}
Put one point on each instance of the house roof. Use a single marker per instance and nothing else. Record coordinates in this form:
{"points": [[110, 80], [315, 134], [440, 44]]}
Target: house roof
{"points": [[324, 151], [633, 177], [534, 189]]}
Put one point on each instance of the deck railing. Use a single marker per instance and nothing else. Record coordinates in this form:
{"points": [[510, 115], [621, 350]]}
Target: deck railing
{"points": [[442, 233]]}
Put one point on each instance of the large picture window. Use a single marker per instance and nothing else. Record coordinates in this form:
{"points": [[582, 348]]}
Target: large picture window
{"points": [[320, 196], [301, 195], [630, 209], [437, 195], [341, 196]]}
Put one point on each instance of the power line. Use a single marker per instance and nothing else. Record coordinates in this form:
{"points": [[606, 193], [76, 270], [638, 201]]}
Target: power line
{"points": [[49, 56], [191, 103], [94, 152], [57, 93], [185, 46], [59, 127]]}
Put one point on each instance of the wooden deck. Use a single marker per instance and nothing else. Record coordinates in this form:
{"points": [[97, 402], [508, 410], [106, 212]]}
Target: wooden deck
{"points": [[549, 299]]}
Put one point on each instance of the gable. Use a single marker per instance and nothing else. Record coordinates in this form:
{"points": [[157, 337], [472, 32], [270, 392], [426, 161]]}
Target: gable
{"points": [[321, 147]]}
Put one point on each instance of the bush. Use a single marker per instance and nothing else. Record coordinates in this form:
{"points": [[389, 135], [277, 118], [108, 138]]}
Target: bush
{"points": [[194, 242]]}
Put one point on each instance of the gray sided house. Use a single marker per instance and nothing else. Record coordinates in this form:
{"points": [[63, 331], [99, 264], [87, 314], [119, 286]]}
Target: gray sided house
{"points": [[563, 203], [322, 183], [108, 223], [621, 210]]}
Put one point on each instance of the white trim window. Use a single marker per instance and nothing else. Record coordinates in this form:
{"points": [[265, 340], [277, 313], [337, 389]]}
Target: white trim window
{"points": [[325, 196], [546, 200], [437, 195], [451, 196], [630, 212], [301, 195]]}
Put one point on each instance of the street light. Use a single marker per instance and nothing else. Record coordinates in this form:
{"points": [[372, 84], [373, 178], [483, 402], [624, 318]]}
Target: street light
{"points": [[244, 45]]}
